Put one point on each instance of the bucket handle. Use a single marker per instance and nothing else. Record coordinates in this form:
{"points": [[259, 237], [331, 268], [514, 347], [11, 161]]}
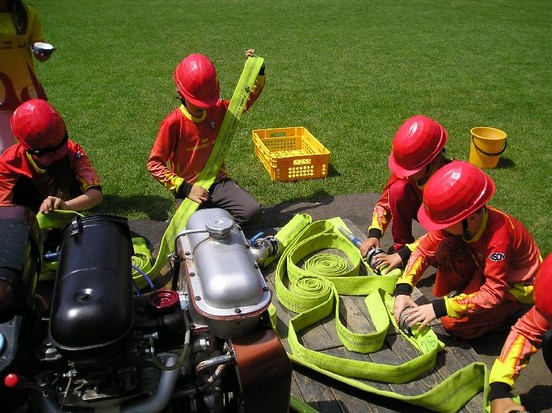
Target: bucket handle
{"points": [[489, 153]]}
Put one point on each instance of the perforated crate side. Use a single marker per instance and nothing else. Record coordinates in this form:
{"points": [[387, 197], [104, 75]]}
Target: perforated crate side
{"points": [[262, 153], [287, 143], [302, 167], [311, 145], [290, 154], [278, 132]]}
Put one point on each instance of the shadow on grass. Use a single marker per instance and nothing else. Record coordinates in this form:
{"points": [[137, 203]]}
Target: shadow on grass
{"points": [[154, 207], [505, 163], [157, 210], [332, 171]]}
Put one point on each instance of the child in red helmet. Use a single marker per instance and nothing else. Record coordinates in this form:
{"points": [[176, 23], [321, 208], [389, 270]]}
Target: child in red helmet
{"points": [[486, 259], [46, 170], [418, 151], [531, 332], [187, 136]]}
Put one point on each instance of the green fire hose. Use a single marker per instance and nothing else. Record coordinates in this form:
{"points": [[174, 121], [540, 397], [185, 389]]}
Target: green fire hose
{"points": [[310, 285]]}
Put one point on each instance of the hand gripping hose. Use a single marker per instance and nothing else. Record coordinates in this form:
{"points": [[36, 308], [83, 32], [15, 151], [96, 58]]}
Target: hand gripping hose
{"points": [[56, 219], [310, 285], [209, 172]]}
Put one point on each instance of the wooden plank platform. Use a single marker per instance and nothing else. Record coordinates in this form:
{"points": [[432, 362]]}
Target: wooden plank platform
{"points": [[327, 395]]}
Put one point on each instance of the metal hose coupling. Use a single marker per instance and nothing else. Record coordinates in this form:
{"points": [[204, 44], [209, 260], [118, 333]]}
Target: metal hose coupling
{"points": [[403, 325], [264, 248], [371, 260]]}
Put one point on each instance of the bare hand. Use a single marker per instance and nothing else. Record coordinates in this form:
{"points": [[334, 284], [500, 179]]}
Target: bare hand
{"points": [[392, 261], [401, 302], [368, 244], [51, 203], [506, 406], [198, 194], [421, 315], [250, 52]]}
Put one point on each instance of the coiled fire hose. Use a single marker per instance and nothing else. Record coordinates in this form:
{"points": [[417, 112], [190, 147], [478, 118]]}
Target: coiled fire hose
{"points": [[310, 286]]}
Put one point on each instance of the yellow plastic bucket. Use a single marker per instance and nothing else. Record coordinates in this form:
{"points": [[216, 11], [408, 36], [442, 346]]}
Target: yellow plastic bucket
{"points": [[486, 146]]}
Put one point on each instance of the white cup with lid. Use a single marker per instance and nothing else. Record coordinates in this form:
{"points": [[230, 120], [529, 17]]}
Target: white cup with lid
{"points": [[44, 48]]}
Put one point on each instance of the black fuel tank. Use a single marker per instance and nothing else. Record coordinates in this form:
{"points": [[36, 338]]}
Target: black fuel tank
{"points": [[92, 308]]}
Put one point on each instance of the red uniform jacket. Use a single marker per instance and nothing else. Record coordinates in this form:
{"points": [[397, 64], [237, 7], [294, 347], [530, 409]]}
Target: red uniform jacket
{"points": [[184, 142], [22, 181], [505, 252]]}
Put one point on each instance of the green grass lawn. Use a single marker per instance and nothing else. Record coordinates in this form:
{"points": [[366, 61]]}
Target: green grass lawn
{"points": [[350, 71]]}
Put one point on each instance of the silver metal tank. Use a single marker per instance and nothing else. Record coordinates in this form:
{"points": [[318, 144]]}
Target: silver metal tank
{"points": [[227, 291]]}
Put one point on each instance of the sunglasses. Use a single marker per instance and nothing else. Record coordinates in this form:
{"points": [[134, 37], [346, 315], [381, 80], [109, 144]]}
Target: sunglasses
{"points": [[44, 151]]}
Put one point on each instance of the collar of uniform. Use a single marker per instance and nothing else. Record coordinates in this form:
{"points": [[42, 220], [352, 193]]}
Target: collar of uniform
{"points": [[482, 227], [193, 118], [34, 165]]}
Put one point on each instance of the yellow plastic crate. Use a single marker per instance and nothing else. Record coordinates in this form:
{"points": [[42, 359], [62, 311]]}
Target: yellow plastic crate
{"points": [[290, 154]]}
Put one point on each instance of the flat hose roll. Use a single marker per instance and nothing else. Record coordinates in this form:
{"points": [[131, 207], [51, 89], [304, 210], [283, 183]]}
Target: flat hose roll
{"points": [[299, 273]]}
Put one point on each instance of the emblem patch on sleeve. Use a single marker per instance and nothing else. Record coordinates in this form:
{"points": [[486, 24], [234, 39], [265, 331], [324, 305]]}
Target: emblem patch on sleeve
{"points": [[496, 256]]}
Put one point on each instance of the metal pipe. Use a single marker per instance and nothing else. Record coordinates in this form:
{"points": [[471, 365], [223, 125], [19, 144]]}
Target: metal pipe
{"points": [[158, 400], [214, 377], [215, 361]]}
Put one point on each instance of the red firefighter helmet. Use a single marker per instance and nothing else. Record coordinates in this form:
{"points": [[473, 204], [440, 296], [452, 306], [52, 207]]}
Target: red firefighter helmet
{"points": [[454, 192], [543, 296], [197, 80], [417, 142], [37, 125]]}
